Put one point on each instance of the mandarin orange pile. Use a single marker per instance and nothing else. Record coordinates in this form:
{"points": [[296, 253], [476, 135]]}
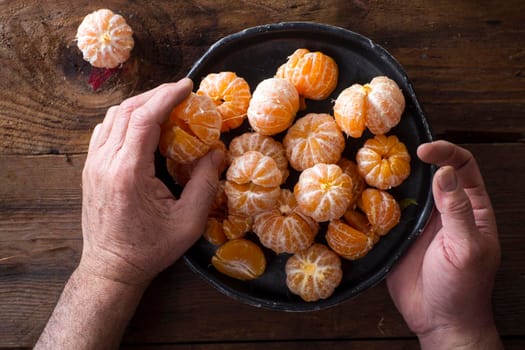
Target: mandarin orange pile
{"points": [[260, 206]]}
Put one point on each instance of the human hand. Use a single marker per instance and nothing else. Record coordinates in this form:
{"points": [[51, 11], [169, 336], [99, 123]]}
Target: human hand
{"points": [[132, 226], [443, 286]]}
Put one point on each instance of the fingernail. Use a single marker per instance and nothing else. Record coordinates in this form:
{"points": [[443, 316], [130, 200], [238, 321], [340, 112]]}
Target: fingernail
{"points": [[447, 179]]}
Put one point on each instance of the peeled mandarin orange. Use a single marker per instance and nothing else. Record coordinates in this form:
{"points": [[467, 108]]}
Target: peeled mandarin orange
{"points": [[105, 39], [314, 138], [314, 273], [252, 141], [230, 93], [284, 229], [250, 199], [359, 221], [236, 226], [323, 192], [350, 110], [314, 74], [240, 259], [180, 145], [383, 161], [377, 105], [381, 209], [386, 104], [358, 182], [254, 167], [273, 106], [192, 128], [346, 241], [213, 232]]}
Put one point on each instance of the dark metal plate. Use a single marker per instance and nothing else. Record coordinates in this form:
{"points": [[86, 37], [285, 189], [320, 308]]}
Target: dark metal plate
{"points": [[255, 54]]}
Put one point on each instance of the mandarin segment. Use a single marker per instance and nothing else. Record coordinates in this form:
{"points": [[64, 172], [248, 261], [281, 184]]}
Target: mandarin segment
{"points": [[359, 221], [213, 232], [230, 93], [346, 241], [381, 209], [284, 229], [383, 161], [314, 74], [358, 182], [240, 259], [252, 141], [377, 105], [254, 167], [250, 199], [314, 273], [273, 106], [236, 226], [105, 39], [323, 192], [314, 138]]}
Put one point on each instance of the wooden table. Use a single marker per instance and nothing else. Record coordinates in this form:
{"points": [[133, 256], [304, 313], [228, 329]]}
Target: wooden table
{"points": [[465, 58]]}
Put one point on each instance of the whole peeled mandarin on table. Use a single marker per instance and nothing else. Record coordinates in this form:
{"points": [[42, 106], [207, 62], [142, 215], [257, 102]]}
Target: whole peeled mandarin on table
{"points": [[105, 39]]}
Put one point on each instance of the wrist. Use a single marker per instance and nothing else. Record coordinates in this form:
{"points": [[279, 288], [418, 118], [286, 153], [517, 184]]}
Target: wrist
{"points": [[462, 338]]}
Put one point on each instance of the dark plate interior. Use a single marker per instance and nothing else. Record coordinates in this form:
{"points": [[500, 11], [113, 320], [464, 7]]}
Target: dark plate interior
{"points": [[255, 54]]}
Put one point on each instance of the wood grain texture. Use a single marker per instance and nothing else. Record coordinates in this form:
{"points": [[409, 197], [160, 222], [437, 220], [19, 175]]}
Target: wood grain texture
{"points": [[40, 244], [466, 62]]}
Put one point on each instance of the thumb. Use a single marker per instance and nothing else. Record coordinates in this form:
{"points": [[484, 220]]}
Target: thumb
{"points": [[201, 189], [457, 216]]}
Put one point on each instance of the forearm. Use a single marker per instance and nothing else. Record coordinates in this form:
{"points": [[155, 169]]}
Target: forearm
{"points": [[486, 338], [92, 313]]}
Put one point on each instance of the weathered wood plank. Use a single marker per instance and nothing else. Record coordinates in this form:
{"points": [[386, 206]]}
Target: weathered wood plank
{"points": [[466, 62]]}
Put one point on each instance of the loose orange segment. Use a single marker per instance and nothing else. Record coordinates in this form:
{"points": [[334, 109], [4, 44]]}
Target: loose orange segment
{"points": [[384, 162], [381, 209], [284, 229], [346, 241], [323, 192], [313, 139], [250, 199], [192, 128], [358, 182], [214, 232], [314, 74], [240, 259], [252, 141], [230, 93], [377, 105], [105, 39], [273, 106], [236, 226], [254, 167], [314, 273]]}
